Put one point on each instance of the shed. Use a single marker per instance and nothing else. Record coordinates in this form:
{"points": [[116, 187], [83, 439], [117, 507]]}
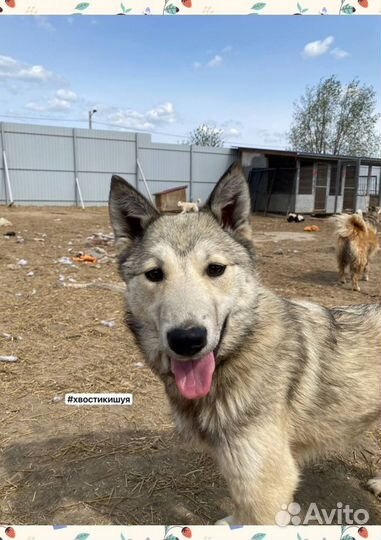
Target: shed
{"points": [[166, 201], [284, 181]]}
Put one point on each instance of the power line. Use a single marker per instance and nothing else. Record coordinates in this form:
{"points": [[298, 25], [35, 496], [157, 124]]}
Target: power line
{"points": [[108, 124], [134, 130]]}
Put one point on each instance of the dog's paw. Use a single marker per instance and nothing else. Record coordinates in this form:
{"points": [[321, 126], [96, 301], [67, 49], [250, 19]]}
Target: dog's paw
{"points": [[374, 485], [228, 520]]}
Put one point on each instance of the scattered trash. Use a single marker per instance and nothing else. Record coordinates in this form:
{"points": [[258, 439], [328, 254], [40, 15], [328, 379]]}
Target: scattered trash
{"points": [[97, 251], [61, 278], [85, 259], [10, 234], [5, 222], [312, 228], [8, 358], [22, 262], [138, 364], [57, 399], [18, 294], [30, 274], [9, 337], [99, 239], [72, 280], [278, 252], [19, 239], [100, 254], [33, 291], [109, 324], [108, 286], [66, 260]]}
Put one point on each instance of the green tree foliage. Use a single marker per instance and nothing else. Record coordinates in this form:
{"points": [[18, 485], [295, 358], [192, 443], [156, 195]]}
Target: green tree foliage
{"points": [[206, 135], [333, 118]]}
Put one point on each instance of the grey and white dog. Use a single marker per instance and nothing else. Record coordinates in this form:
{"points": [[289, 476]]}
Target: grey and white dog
{"points": [[263, 383]]}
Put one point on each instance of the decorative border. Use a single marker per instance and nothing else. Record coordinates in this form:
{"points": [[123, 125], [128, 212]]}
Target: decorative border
{"points": [[177, 532], [190, 7]]}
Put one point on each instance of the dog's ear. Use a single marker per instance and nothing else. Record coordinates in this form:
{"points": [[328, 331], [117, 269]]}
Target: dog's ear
{"points": [[230, 202], [130, 212]]}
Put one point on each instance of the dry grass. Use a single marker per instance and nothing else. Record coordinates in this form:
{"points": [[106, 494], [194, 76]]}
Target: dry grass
{"points": [[103, 465]]}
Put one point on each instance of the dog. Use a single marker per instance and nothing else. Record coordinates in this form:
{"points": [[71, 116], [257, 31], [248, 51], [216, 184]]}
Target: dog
{"points": [[189, 206], [262, 383], [357, 243], [297, 218]]}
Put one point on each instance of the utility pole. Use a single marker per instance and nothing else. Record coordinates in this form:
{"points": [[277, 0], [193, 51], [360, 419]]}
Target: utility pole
{"points": [[91, 113]]}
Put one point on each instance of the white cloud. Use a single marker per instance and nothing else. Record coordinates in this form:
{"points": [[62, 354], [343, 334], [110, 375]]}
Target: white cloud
{"points": [[130, 119], [339, 54], [215, 61], [13, 69], [163, 114], [52, 105], [319, 47], [66, 94], [232, 132]]}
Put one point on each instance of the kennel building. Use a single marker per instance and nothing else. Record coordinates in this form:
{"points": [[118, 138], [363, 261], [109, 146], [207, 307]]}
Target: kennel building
{"points": [[285, 181]]}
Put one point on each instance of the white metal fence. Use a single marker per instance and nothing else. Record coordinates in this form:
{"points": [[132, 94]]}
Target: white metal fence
{"points": [[42, 165]]}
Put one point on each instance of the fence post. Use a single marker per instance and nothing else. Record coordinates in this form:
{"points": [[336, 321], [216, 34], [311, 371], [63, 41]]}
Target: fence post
{"points": [[137, 161], [337, 184], [7, 180], [191, 172], [75, 166]]}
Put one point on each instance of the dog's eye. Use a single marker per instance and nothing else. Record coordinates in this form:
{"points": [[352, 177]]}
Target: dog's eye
{"points": [[215, 270], [156, 274]]}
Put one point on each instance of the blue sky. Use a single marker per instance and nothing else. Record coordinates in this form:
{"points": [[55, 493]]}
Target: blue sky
{"points": [[166, 75]]}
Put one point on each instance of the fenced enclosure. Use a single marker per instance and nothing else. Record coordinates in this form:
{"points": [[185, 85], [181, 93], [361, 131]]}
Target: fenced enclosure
{"points": [[272, 189], [56, 166]]}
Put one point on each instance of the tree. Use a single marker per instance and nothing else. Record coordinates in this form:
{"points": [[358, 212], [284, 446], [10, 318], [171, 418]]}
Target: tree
{"points": [[206, 135], [335, 119]]}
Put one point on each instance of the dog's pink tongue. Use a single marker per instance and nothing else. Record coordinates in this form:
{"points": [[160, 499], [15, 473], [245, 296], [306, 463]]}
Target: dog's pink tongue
{"points": [[194, 377]]}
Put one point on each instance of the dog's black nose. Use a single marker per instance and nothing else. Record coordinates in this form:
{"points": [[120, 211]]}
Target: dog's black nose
{"points": [[187, 341]]}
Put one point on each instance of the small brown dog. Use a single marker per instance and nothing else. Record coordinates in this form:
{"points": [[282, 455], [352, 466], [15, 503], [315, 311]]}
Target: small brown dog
{"points": [[357, 242]]}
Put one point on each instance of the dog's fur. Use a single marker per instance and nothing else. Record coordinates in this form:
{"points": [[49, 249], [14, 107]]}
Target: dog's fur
{"points": [[189, 206], [357, 243], [293, 380]]}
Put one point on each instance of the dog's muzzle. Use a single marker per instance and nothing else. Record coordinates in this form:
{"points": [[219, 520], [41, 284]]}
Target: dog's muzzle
{"points": [[187, 341]]}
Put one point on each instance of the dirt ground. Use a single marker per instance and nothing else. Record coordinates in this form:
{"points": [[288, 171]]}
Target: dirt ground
{"points": [[125, 465]]}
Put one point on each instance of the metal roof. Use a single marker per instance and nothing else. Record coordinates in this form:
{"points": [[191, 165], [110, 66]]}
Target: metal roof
{"points": [[171, 190], [311, 155]]}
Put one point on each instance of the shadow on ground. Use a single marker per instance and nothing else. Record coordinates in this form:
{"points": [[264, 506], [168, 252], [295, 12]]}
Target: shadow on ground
{"points": [[142, 477]]}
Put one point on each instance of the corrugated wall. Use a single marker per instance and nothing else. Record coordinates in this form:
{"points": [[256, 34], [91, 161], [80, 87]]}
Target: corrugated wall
{"points": [[44, 161]]}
